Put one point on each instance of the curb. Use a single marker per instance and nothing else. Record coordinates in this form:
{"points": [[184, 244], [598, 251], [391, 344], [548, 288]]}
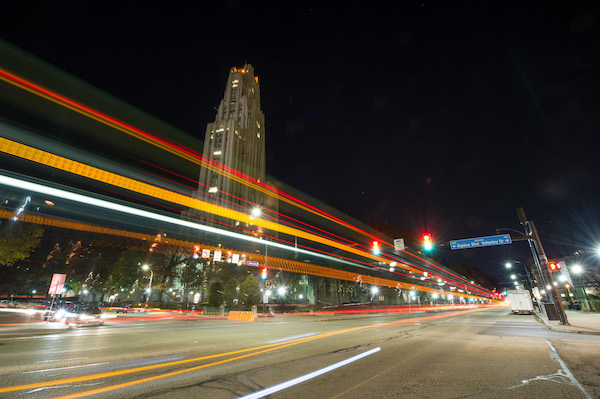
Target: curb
{"points": [[574, 330]]}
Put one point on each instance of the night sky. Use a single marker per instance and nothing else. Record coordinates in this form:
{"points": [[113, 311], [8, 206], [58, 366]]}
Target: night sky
{"points": [[440, 116]]}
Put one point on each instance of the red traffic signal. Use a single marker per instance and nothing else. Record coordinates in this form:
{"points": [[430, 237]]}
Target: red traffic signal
{"points": [[427, 239], [375, 247], [263, 273], [554, 266], [196, 250]]}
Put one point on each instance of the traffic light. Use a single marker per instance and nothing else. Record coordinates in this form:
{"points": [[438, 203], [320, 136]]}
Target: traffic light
{"points": [[427, 245], [196, 250], [553, 266], [376, 247], [263, 273]]}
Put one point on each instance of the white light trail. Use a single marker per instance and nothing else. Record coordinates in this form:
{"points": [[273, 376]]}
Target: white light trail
{"points": [[306, 377], [38, 188]]}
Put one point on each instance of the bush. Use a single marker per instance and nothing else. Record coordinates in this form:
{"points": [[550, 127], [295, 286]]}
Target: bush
{"points": [[596, 305]]}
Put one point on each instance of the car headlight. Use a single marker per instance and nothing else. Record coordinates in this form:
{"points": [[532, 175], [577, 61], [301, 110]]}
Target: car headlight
{"points": [[60, 314]]}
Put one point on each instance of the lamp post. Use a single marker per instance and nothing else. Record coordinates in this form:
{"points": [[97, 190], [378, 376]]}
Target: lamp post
{"points": [[281, 291], [146, 267], [508, 265], [577, 269]]}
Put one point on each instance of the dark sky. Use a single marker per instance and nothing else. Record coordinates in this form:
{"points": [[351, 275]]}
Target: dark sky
{"points": [[443, 116]]}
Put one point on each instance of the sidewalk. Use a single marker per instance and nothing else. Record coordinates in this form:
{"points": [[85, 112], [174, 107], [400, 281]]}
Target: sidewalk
{"points": [[579, 322]]}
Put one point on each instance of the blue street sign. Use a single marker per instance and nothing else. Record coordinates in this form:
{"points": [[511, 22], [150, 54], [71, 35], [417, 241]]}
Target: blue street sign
{"points": [[477, 242]]}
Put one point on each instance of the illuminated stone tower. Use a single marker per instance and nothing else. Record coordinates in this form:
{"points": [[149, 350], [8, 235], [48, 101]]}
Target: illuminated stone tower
{"points": [[235, 139]]}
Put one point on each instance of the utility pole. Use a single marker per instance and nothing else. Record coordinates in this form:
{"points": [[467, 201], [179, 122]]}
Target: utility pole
{"points": [[541, 262]]}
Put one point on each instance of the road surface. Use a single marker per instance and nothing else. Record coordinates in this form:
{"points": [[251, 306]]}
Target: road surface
{"points": [[475, 354]]}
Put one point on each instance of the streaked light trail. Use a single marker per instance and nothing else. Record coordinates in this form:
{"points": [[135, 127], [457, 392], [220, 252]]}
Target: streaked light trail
{"points": [[29, 186], [100, 175]]}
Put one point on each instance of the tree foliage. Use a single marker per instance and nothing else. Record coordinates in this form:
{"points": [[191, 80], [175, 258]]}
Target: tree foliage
{"points": [[17, 240], [250, 294], [230, 293], [215, 296]]}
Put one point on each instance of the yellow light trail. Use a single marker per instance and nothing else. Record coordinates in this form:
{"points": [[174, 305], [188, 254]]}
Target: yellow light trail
{"points": [[183, 153], [287, 265], [56, 98], [103, 176]]}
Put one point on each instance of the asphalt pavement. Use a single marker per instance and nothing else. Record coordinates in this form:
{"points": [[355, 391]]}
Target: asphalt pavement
{"points": [[487, 353]]}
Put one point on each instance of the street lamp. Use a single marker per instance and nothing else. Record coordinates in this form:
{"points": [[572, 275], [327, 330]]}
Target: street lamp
{"points": [[146, 267], [509, 265], [577, 269]]}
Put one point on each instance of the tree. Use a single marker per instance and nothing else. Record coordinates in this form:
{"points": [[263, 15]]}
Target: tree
{"points": [[250, 294], [230, 292], [215, 296], [17, 240]]}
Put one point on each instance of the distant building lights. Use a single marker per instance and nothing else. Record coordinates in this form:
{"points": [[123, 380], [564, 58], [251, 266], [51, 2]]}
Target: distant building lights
{"points": [[213, 190]]}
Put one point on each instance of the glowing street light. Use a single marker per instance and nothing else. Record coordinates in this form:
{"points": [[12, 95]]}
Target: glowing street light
{"points": [[578, 270], [281, 291], [513, 276], [256, 212], [508, 265], [149, 290]]}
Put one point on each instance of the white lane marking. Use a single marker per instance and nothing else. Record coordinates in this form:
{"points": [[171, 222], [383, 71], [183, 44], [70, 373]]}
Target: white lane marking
{"points": [[562, 376], [62, 386], [58, 360], [306, 377], [291, 338], [566, 370], [64, 368]]}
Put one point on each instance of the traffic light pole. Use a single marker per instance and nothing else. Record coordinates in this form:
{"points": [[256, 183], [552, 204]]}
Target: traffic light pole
{"points": [[541, 262]]}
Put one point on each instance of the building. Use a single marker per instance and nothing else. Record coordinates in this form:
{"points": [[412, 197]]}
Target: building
{"points": [[236, 139]]}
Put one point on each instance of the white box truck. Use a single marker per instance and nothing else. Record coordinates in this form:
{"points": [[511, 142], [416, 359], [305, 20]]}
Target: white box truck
{"points": [[520, 302]]}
